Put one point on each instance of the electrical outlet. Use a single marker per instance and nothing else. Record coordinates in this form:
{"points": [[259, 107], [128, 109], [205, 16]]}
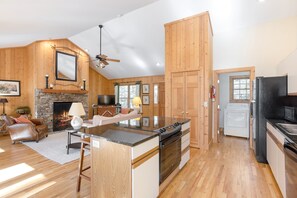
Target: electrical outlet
{"points": [[96, 144]]}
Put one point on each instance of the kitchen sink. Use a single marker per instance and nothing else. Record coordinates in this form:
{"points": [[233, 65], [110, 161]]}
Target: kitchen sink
{"points": [[289, 128]]}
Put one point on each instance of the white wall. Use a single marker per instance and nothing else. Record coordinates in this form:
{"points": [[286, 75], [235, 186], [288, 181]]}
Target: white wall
{"points": [[263, 46], [289, 66], [225, 92]]}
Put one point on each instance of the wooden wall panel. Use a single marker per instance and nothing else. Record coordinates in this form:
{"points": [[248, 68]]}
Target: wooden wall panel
{"points": [[45, 64], [14, 66], [98, 85], [148, 110], [188, 45]]}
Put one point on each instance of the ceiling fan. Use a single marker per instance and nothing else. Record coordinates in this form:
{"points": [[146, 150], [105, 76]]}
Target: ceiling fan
{"points": [[101, 58]]}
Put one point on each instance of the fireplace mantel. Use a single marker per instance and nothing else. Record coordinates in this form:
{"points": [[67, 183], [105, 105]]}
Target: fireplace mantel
{"points": [[64, 91]]}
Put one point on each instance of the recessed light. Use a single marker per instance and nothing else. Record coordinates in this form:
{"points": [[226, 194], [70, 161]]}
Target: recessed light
{"points": [[261, 1], [86, 50], [158, 64]]}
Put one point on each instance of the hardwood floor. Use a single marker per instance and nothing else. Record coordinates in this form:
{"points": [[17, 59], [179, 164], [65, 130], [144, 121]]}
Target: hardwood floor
{"points": [[228, 169]]}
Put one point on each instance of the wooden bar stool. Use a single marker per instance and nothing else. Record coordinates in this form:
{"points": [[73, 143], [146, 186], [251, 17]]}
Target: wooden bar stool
{"points": [[85, 145]]}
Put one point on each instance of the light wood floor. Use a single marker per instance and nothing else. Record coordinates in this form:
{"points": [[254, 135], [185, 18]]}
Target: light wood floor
{"points": [[228, 169]]}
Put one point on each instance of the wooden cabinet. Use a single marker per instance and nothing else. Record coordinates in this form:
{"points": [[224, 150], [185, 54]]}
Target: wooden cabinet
{"points": [[122, 171], [276, 157], [188, 75], [187, 102]]}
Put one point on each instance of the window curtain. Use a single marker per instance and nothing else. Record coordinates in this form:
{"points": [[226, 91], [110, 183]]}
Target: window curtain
{"points": [[138, 88], [116, 92]]}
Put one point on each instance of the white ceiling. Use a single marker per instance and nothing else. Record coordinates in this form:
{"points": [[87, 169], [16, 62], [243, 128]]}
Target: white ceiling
{"points": [[137, 38], [25, 21]]}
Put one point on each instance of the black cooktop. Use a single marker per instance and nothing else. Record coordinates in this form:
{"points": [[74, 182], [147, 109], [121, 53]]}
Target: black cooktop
{"points": [[275, 123], [150, 123]]}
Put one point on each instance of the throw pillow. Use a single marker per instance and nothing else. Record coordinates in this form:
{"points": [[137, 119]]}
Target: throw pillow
{"points": [[125, 110], [22, 120]]}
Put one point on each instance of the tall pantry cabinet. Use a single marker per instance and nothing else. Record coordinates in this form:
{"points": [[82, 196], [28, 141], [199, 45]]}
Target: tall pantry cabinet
{"points": [[188, 75]]}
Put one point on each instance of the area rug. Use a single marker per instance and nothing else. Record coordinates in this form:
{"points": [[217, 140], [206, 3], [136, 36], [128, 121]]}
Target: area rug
{"points": [[54, 147]]}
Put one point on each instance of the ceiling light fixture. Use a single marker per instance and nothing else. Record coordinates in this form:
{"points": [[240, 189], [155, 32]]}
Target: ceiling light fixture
{"points": [[261, 1], [158, 64], [86, 50]]}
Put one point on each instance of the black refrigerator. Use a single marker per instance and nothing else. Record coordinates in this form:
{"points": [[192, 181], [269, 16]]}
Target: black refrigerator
{"points": [[267, 104]]}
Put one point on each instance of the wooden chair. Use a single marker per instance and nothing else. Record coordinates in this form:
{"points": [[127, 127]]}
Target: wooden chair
{"points": [[85, 145]]}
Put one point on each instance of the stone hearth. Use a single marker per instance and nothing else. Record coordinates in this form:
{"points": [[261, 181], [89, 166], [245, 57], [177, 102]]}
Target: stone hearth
{"points": [[44, 103]]}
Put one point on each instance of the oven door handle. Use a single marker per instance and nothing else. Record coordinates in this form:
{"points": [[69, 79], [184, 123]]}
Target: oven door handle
{"points": [[290, 151], [173, 139]]}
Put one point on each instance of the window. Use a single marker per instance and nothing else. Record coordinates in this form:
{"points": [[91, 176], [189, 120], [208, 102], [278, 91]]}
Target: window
{"points": [[156, 94], [239, 89], [126, 95]]}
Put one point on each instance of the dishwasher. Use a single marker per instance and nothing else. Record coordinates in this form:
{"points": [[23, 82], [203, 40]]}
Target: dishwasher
{"points": [[291, 168]]}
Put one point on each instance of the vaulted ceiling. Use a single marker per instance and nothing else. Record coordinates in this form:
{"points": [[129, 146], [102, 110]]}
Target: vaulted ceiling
{"points": [[133, 30], [25, 21]]}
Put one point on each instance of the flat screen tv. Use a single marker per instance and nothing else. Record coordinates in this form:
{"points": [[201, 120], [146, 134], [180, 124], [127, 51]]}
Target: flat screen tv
{"points": [[106, 99]]}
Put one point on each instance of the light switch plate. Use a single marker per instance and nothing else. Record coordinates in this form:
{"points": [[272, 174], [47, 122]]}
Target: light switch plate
{"points": [[96, 144]]}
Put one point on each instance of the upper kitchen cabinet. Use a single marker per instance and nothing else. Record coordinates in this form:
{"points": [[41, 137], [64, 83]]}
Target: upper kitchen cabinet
{"points": [[289, 66], [188, 75], [184, 39]]}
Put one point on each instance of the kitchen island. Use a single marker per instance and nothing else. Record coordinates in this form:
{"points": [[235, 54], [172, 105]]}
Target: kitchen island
{"points": [[126, 156]]}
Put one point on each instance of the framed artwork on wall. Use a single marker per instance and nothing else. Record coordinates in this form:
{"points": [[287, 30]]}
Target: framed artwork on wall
{"points": [[145, 89], [146, 121], [10, 88], [145, 100]]}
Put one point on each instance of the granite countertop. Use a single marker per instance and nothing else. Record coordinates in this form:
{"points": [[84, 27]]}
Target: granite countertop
{"points": [[150, 123], [132, 132], [119, 135], [291, 138]]}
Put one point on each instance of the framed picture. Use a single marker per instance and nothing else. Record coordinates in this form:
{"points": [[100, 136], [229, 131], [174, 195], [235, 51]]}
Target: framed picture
{"points": [[145, 100], [10, 88], [146, 121], [145, 89]]}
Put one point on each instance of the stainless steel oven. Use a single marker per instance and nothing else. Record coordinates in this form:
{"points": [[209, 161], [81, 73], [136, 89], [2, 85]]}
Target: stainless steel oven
{"points": [[291, 169], [170, 155]]}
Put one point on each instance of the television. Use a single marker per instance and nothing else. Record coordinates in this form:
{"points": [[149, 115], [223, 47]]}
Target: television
{"points": [[106, 99]]}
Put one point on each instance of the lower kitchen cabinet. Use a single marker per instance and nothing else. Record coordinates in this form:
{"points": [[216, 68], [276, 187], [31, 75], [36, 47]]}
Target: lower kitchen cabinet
{"points": [[123, 171], [276, 157], [145, 171]]}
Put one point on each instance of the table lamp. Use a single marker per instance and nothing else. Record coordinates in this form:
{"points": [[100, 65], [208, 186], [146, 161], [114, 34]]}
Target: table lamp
{"points": [[136, 103], [76, 110], [3, 101]]}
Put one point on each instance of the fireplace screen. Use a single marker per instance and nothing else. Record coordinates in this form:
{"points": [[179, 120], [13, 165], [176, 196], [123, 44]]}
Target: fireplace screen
{"points": [[61, 120]]}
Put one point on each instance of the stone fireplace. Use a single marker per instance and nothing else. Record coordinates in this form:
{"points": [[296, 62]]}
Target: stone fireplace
{"points": [[44, 105]]}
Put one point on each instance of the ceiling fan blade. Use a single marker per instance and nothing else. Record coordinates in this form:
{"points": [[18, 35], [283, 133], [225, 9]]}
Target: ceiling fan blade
{"points": [[102, 56], [105, 62], [113, 60]]}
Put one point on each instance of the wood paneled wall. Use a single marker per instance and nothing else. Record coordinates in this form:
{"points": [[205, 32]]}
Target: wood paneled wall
{"points": [[98, 85], [13, 66], [148, 110], [31, 63], [188, 47]]}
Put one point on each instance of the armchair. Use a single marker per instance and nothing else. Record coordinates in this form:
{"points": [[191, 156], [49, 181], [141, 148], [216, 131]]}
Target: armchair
{"points": [[26, 131]]}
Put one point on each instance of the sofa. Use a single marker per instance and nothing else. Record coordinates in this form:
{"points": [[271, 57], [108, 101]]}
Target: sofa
{"points": [[102, 120], [26, 131]]}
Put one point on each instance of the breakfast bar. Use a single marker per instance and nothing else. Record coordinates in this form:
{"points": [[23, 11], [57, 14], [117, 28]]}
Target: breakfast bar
{"points": [[129, 159]]}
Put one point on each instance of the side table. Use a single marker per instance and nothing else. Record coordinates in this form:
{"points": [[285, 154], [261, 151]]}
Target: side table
{"points": [[75, 145]]}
